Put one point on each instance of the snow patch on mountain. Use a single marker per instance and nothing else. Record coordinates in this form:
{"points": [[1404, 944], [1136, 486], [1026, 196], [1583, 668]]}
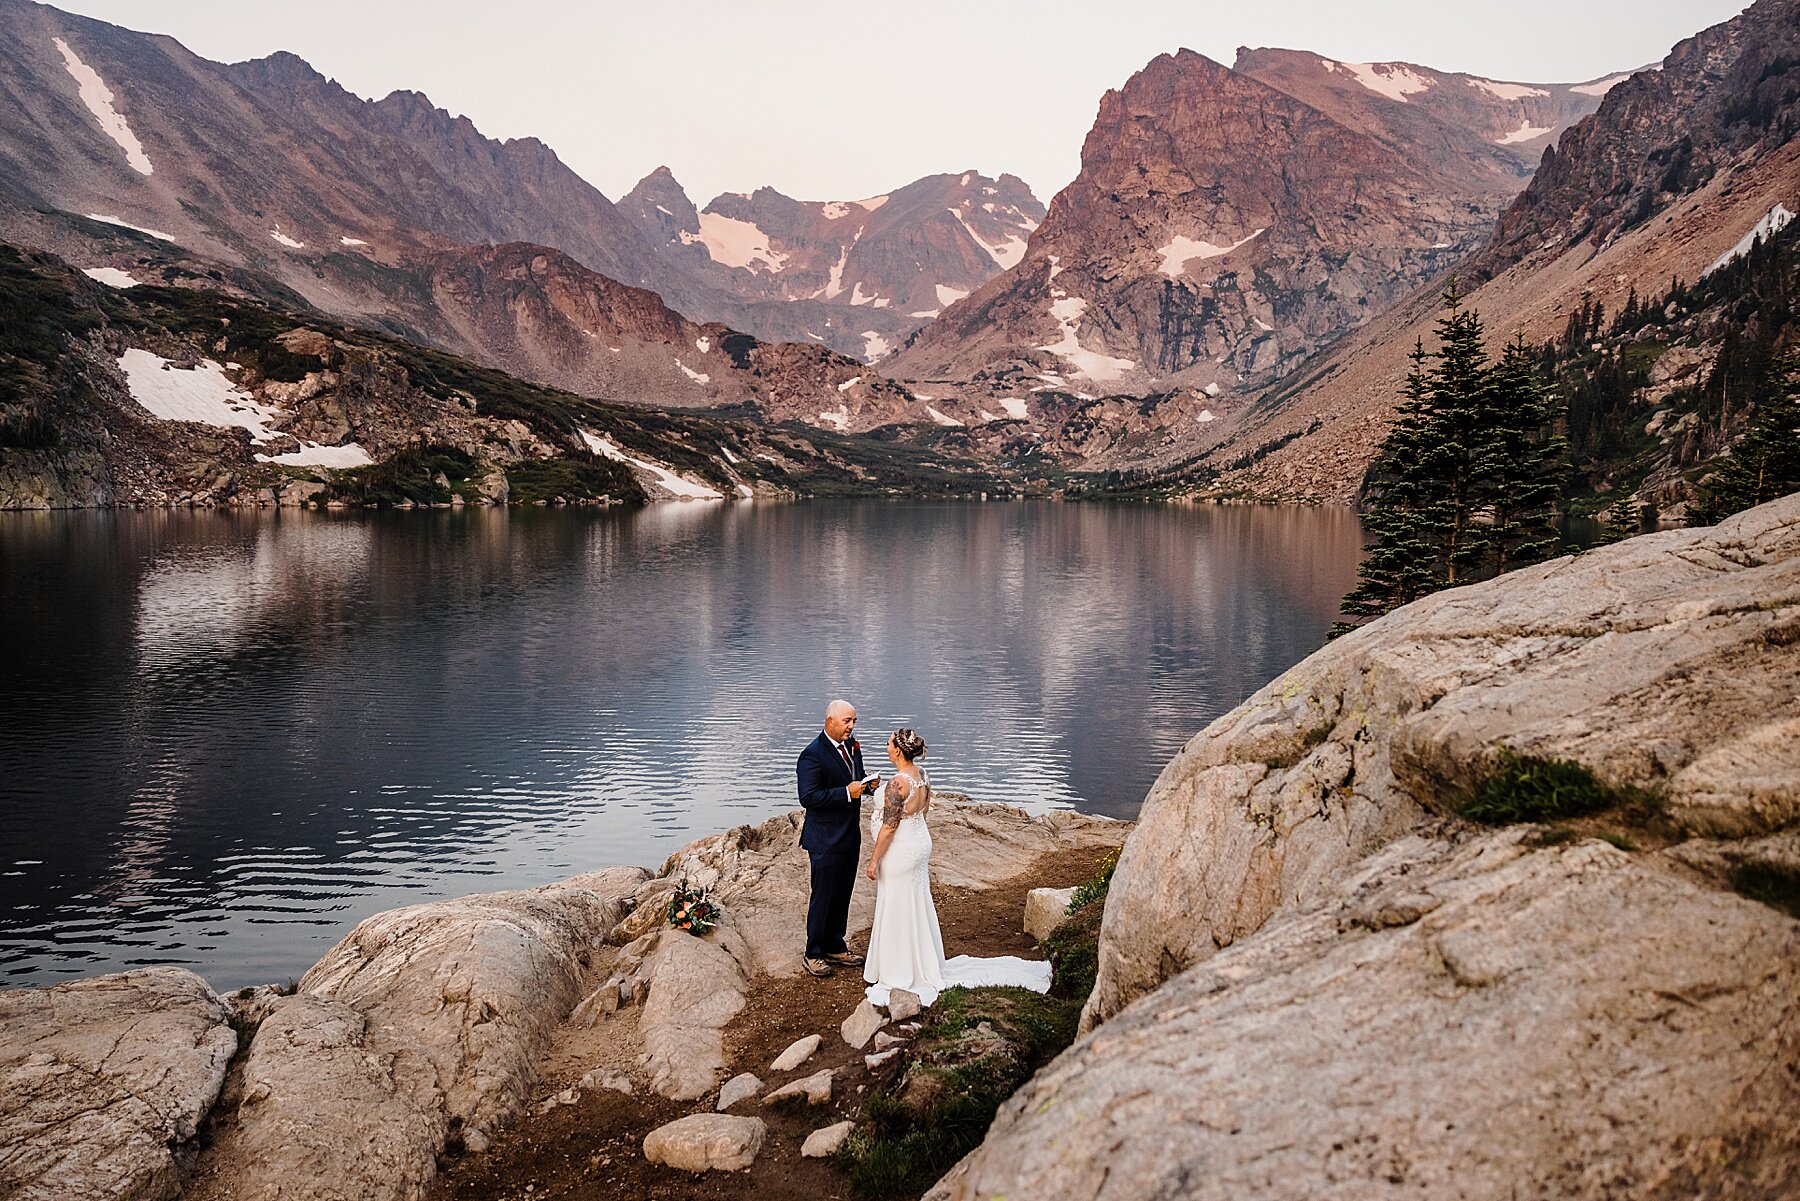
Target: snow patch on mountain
{"points": [[850, 383], [702, 344], [112, 277], [1507, 91], [99, 100], [948, 296], [834, 209], [873, 202], [874, 346], [942, 419], [1600, 87], [1181, 249], [290, 243], [345, 241], [203, 393], [838, 418], [1098, 367], [1524, 133], [1772, 224], [681, 486], [699, 377], [1392, 80], [155, 233], [1006, 252], [737, 243]]}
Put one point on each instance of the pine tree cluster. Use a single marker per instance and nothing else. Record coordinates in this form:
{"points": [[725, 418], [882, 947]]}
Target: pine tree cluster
{"points": [[1468, 483]]}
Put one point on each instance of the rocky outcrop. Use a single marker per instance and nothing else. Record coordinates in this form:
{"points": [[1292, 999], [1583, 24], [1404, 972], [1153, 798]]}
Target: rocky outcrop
{"points": [[1464, 1016], [857, 276], [423, 1022], [104, 1082], [1316, 981], [1726, 95], [1665, 662], [1220, 230]]}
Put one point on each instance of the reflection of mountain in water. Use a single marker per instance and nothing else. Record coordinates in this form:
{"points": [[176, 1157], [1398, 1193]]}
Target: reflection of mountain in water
{"points": [[228, 736]]}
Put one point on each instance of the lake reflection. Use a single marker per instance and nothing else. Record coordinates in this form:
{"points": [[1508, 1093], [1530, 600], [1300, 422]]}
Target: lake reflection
{"points": [[224, 738]]}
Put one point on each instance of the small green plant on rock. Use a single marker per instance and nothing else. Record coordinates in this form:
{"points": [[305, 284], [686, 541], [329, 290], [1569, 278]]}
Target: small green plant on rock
{"points": [[1095, 888], [1525, 788]]}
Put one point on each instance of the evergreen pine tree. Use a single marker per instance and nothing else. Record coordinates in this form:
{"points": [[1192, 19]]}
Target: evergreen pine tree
{"points": [[1519, 467], [1761, 465], [1459, 387], [1400, 560]]}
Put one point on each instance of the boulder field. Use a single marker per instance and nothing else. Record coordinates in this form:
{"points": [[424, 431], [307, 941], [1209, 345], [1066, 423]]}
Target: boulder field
{"points": [[1318, 981]]}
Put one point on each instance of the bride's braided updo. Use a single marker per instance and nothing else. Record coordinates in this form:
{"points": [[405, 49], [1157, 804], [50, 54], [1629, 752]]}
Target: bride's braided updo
{"points": [[909, 743]]}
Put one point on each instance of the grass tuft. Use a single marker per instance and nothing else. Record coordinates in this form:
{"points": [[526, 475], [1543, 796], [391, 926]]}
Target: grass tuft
{"points": [[1525, 788]]}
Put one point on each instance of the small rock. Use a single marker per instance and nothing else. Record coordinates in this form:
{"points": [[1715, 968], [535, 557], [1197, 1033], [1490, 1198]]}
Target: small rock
{"points": [[876, 1060], [1045, 910], [736, 1089], [797, 1054], [861, 1025], [826, 1140], [884, 1040], [902, 1005], [704, 1142], [814, 1090], [601, 1078]]}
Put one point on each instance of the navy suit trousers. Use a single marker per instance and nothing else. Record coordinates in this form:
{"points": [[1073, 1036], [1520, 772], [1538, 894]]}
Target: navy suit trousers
{"points": [[833, 880]]}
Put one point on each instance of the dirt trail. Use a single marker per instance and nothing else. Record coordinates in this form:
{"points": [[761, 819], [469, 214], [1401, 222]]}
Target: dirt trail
{"points": [[593, 1150]]}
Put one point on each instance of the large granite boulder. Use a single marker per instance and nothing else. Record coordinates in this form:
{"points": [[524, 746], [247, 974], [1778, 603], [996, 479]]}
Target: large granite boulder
{"points": [[1466, 1016], [423, 1021], [104, 1082], [1666, 662]]}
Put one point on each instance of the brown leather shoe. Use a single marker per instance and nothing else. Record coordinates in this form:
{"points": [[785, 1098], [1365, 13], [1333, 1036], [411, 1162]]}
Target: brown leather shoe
{"points": [[818, 967], [845, 959]]}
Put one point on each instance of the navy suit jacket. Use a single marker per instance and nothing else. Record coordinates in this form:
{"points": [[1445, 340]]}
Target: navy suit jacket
{"points": [[833, 821]]}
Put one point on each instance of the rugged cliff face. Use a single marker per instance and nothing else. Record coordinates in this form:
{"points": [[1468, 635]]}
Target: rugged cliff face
{"points": [[1681, 167], [270, 165], [1315, 981], [856, 275], [1722, 98], [1222, 227]]}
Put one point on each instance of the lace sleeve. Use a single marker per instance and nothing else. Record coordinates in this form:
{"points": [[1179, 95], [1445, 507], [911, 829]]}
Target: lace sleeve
{"points": [[893, 804]]}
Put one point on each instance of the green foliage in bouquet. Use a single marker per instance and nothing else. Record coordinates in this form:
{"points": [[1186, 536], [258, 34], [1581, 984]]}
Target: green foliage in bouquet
{"points": [[692, 910]]}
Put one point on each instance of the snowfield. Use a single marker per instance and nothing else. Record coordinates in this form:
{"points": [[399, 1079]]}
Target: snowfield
{"points": [[99, 100]]}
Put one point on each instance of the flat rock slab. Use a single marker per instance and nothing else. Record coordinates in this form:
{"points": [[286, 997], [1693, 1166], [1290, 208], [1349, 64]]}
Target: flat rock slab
{"points": [[706, 1142], [824, 1142], [1045, 910], [814, 1090], [696, 987], [736, 1089], [862, 1024], [798, 1053], [102, 1081]]}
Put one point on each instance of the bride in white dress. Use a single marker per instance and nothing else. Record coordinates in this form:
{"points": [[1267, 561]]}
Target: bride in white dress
{"points": [[906, 948]]}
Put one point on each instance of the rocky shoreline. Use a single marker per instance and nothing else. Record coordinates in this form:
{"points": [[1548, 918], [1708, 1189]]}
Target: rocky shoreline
{"points": [[1496, 897], [429, 1029]]}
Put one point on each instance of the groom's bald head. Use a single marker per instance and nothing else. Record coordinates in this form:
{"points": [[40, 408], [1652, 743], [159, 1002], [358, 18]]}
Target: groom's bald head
{"points": [[840, 719]]}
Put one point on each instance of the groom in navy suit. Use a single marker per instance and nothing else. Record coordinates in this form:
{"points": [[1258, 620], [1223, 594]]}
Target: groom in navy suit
{"points": [[832, 784]]}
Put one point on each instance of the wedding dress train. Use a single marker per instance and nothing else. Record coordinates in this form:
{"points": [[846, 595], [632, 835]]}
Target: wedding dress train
{"points": [[906, 947]]}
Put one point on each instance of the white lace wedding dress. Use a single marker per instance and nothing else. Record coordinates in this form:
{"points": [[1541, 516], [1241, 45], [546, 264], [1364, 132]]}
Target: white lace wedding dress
{"points": [[906, 948]]}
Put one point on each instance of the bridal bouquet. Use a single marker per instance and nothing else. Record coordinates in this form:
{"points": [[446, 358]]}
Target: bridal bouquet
{"points": [[692, 910]]}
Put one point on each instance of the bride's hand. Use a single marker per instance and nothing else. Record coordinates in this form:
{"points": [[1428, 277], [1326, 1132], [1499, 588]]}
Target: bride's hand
{"points": [[870, 873]]}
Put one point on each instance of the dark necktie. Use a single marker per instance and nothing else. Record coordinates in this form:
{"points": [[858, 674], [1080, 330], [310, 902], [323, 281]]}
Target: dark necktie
{"points": [[844, 750]]}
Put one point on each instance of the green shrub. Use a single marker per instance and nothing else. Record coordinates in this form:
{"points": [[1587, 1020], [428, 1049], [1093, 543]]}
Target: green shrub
{"points": [[1095, 889], [1528, 789], [410, 475], [574, 478]]}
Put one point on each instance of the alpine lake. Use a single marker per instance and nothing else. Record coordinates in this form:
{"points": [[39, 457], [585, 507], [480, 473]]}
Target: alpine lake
{"points": [[227, 736]]}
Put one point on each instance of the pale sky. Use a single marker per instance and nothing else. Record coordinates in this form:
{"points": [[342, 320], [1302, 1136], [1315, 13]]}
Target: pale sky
{"points": [[846, 99]]}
